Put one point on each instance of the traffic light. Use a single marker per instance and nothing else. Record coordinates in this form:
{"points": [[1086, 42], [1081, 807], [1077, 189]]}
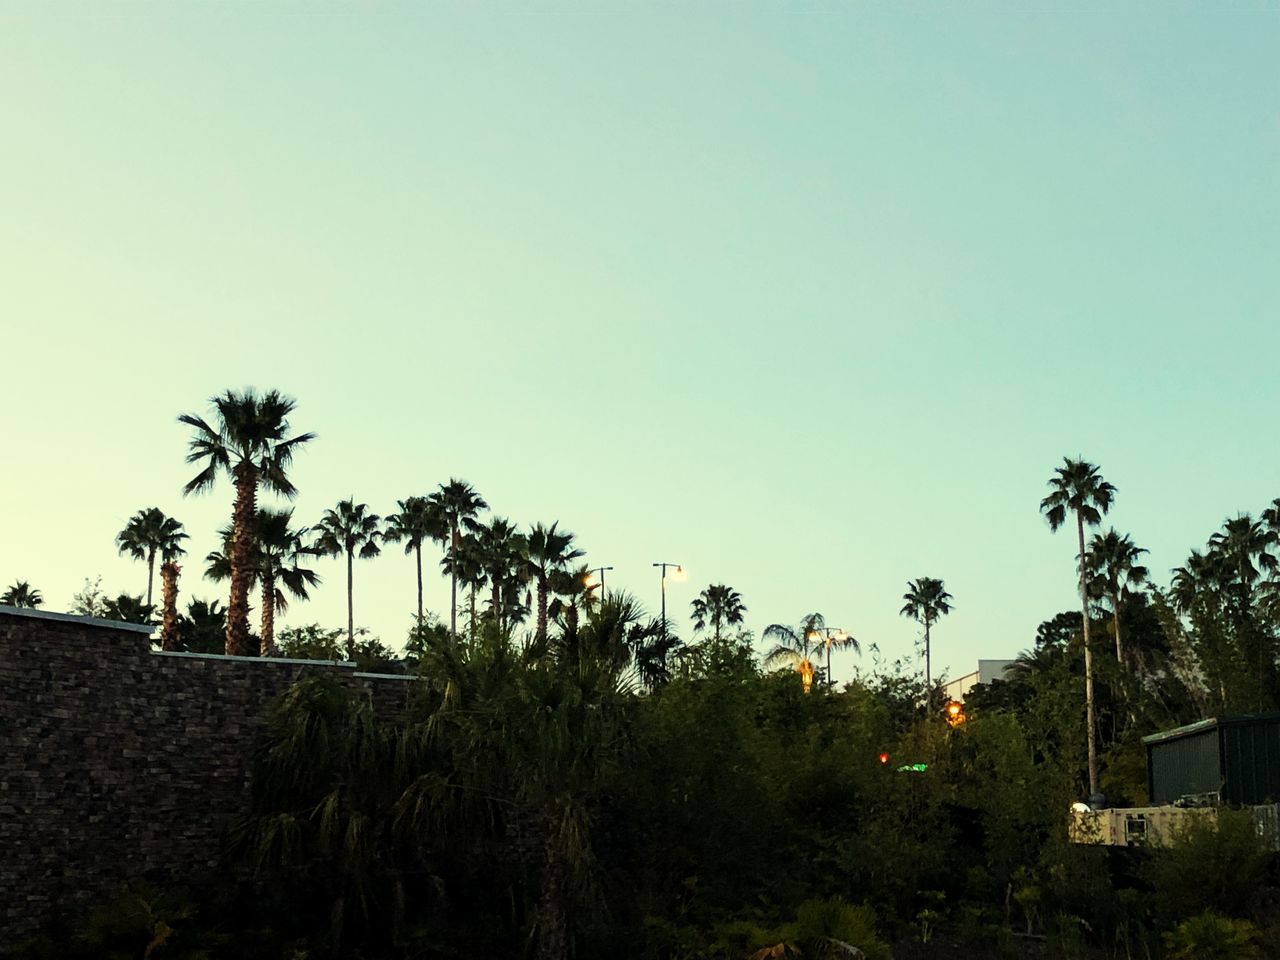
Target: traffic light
{"points": [[884, 758]]}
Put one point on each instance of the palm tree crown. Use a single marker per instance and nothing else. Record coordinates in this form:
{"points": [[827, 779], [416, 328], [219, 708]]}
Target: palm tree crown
{"points": [[22, 594], [248, 440], [1113, 569], [548, 552], [926, 601], [349, 529], [794, 647], [150, 533], [717, 606]]}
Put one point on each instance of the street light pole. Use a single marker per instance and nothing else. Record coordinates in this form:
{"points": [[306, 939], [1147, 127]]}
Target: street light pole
{"points": [[600, 570], [831, 636], [679, 569]]}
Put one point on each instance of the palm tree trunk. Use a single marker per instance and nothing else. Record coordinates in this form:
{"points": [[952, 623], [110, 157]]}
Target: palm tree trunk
{"points": [[151, 572], [241, 549], [1091, 734], [542, 606], [928, 660], [268, 611], [418, 555], [1115, 622], [169, 622], [496, 600], [473, 611], [553, 920], [351, 633], [453, 579]]}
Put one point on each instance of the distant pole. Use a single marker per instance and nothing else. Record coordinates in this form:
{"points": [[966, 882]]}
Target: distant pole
{"points": [[600, 570], [663, 581]]}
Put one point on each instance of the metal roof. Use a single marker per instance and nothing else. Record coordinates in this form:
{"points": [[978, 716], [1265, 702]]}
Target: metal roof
{"points": [[1200, 726], [72, 618]]}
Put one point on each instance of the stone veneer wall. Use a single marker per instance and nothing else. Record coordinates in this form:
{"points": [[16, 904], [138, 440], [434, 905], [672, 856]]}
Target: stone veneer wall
{"points": [[120, 764]]}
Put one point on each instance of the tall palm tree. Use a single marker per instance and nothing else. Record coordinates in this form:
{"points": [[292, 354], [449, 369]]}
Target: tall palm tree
{"points": [[795, 647], [22, 594], [248, 441], [464, 563], [170, 637], [717, 605], [418, 520], [927, 600], [1077, 487], [1244, 546], [1113, 564], [150, 532], [279, 552], [457, 501], [548, 551], [352, 530], [500, 551]]}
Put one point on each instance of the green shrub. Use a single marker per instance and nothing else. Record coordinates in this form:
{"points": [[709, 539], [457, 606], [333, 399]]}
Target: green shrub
{"points": [[1210, 936]]}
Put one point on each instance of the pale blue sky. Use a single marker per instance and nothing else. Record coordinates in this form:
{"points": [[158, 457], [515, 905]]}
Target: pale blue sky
{"points": [[810, 301]]}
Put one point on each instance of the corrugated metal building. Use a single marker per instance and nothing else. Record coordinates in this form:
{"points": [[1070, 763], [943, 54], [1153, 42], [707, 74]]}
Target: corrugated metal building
{"points": [[1232, 759]]}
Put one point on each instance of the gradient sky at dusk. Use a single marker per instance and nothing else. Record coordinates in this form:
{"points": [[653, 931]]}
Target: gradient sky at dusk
{"points": [[810, 301]]}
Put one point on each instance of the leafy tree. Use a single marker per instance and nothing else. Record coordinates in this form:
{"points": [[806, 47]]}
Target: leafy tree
{"points": [[548, 552], [150, 533], [418, 520], [1077, 487], [349, 530], [1114, 567], [89, 602], [718, 605], [927, 600], [247, 441], [22, 594], [456, 502], [1211, 936]]}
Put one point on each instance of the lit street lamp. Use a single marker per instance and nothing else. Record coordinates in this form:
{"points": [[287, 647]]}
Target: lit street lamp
{"points": [[591, 581], [830, 637], [679, 574]]}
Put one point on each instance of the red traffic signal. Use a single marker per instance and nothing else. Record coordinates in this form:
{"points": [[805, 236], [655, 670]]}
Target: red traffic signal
{"points": [[884, 758]]}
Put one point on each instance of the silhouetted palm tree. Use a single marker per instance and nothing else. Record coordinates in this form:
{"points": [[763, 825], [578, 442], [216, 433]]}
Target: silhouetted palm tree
{"points": [[1244, 547], [927, 600], [349, 529], [248, 442], [148, 533], [500, 550], [418, 520], [456, 501], [1077, 487], [548, 551], [794, 647], [1113, 563], [717, 605], [22, 594], [170, 637]]}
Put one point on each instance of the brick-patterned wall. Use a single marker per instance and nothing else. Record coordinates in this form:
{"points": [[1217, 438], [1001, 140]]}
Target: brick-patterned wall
{"points": [[119, 764]]}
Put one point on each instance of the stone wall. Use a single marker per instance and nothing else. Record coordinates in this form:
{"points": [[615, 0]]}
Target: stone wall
{"points": [[120, 764]]}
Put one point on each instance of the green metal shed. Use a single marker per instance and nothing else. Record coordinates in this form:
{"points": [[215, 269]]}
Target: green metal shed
{"points": [[1233, 759]]}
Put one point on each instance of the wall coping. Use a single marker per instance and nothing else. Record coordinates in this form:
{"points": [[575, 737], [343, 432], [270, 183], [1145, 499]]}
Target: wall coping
{"points": [[189, 655], [73, 618]]}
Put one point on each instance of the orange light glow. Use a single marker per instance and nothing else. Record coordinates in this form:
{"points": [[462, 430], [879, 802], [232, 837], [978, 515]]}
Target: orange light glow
{"points": [[884, 758], [806, 674]]}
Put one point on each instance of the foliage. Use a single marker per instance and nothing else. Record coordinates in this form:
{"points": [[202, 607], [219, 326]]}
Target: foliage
{"points": [[1216, 863], [1210, 936], [22, 594]]}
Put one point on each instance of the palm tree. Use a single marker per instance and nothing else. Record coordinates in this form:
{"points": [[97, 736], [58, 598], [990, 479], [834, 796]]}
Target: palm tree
{"points": [[418, 520], [127, 608], [169, 628], [22, 594], [150, 532], [247, 441], [926, 601], [279, 550], [500, 550], [349, 529], [456, 501], [794, 647], [1078, 487], [717, 605], [1244, 547], [1113, 563], [547, 552]]}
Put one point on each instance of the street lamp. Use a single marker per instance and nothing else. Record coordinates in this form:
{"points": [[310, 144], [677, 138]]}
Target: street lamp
{"points": [[679, 573], [592, 582], [830, 637]]}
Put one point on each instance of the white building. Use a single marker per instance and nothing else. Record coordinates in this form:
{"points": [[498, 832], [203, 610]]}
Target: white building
{"points": [[987, 671]]}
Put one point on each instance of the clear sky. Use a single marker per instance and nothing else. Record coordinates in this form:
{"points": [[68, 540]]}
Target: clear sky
{"points": [[811, 300]]}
